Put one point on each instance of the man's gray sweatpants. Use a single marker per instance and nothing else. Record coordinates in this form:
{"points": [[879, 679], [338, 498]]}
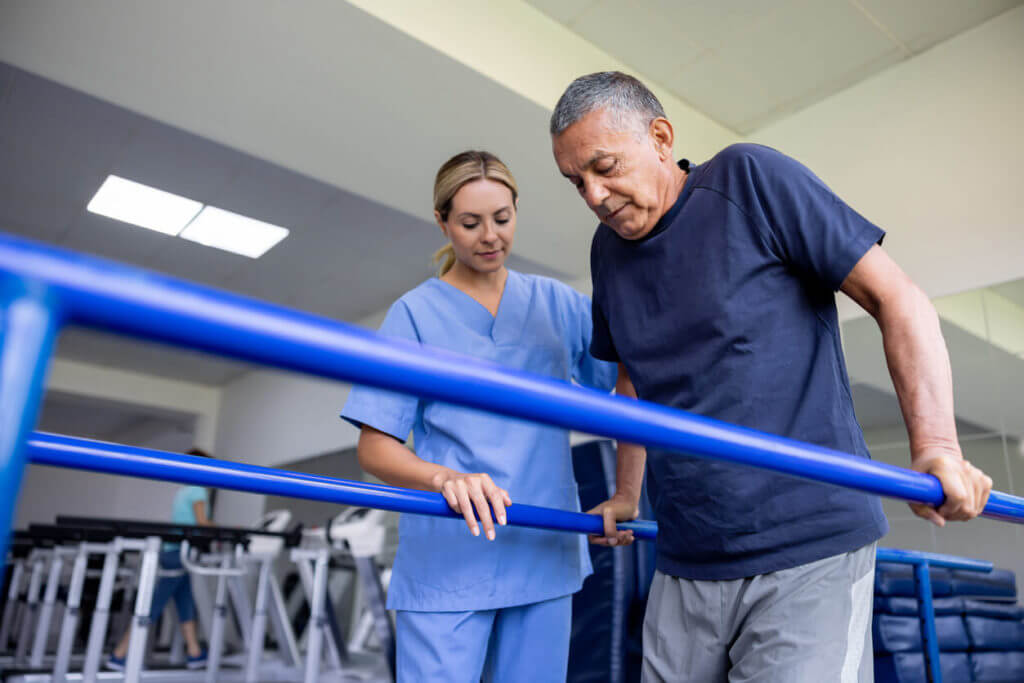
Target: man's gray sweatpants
{"points": [[810, 623]]}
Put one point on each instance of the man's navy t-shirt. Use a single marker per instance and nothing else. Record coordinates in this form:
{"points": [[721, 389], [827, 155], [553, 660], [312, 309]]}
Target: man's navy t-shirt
{"points": [[727, 309]]}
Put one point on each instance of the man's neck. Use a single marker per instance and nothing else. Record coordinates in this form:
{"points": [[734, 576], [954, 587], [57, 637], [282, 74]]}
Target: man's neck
{"points": [[673, 188]]}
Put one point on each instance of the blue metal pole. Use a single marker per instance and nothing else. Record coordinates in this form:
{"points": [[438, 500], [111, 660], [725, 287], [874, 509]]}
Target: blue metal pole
{"points": [[933, 559], [97, 456], [111, 296], [28, 332], [930, 640]]}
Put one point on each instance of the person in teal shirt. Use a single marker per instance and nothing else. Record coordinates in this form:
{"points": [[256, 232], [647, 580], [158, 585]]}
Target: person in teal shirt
{"points": [[484, 602], [191, 506]]}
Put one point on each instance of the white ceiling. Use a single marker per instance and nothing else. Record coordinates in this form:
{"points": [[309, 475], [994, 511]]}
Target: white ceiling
{"points": [[339, 141], [746, 63], [58, 145]]}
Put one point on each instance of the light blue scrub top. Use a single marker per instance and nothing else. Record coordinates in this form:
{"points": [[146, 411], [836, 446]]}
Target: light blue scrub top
{"points": [[542, 327], [182, 511]]}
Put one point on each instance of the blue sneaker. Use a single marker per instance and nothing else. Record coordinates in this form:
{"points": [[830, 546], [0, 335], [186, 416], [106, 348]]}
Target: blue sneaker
{"points": [[114, 663], [197, 662]]}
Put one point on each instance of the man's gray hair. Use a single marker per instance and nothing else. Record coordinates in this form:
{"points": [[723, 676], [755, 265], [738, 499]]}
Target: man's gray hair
{"points": [[620, 94]]}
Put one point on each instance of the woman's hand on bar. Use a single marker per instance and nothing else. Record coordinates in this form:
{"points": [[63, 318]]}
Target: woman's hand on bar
{"points": [[473, 495]]}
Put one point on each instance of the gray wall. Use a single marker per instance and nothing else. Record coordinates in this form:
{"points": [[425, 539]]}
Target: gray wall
{"points": [[49, 491], [342, 465]]}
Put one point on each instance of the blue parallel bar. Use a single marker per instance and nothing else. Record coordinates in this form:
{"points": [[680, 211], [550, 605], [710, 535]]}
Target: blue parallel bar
{"points": [[933, 559], [930, 639], [28, 327], [111, 296], [98, 456]]}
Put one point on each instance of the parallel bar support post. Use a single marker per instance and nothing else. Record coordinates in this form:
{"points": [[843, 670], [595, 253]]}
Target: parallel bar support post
{"points": [[923, 582], [28, 327]]}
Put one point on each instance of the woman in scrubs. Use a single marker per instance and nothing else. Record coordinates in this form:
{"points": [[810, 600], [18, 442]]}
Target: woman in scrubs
{"points": [[496, 605]]}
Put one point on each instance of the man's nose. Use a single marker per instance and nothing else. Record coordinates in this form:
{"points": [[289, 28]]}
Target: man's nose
{"points": [[594, 194]]}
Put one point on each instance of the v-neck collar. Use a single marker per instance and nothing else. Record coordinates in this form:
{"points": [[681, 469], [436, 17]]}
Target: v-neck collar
{"points": [[509, 317], [493, 316]]}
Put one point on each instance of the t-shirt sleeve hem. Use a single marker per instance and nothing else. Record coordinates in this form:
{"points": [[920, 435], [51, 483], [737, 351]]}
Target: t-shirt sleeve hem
{"points": [[868, 237], [603, 353]]}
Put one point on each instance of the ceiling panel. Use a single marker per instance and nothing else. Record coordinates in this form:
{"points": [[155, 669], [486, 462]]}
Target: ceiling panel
{"points": [[178, 162], [821, 41], [55, 153], [640, 36], [919, 24], [745, 63], [715, 25], [112, 239], [192, 261], [564, 11], [275, 195]]}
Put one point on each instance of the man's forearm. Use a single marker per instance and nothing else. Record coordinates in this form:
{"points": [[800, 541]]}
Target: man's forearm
{"points": [[630, 458], [919, 365], [629, 471]]}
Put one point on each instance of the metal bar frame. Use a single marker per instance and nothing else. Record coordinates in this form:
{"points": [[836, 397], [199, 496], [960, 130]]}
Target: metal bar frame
{"points": [[45, 287]]}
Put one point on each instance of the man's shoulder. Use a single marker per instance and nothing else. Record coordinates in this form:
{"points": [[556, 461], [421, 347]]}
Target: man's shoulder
{"points": [[744, 155]]}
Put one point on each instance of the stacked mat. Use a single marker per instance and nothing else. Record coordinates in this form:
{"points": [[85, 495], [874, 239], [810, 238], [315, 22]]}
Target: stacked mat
{"points": [[979, 626]]}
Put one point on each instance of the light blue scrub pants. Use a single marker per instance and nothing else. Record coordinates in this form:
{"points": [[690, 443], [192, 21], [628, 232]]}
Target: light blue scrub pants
{"points": [[524, 643]]}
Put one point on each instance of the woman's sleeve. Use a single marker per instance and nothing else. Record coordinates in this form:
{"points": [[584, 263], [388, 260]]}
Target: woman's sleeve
{"points": [[386, 411]]}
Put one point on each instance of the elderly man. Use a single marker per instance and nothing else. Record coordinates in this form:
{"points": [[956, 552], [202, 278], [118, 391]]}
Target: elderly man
{"points": [[714, 290]]}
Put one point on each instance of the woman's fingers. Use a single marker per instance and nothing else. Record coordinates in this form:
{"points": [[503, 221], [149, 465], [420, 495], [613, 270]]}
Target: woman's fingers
{"points": [[448, 491], [483, 510], [474, 496], [466, 506]]}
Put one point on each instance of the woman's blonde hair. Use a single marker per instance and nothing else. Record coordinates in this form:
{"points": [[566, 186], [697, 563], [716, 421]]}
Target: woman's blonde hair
{"points": [[461, 169]]}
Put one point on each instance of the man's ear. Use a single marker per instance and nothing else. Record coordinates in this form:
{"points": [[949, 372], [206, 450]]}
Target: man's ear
{"points": [[662, 136]]}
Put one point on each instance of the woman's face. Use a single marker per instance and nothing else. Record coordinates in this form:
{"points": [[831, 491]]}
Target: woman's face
{"points": [[481, 225]]}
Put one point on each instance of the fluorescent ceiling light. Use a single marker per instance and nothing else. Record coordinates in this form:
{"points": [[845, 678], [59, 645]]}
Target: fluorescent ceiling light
{"points": [[229, 231], [144, 206]]}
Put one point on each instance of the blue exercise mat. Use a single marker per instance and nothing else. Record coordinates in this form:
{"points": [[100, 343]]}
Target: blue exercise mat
{"points": [[993, 610], [898, 579], [999, 583], [1005, 667], [985, 633], [908, 667], [903, 634], [907, 607]]}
